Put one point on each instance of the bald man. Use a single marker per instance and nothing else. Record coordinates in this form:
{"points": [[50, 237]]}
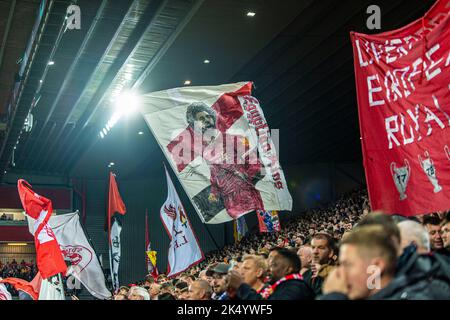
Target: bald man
{"points": [[305, 255], [200, 290]]}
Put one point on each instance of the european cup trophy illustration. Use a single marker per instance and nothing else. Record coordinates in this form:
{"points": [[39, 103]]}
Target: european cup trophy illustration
{"points": [[430, 170], [447, 152], [401, 177]]}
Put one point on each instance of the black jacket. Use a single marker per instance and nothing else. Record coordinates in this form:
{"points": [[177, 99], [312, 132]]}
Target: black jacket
{"points": [[419, 277], [289, 290]]}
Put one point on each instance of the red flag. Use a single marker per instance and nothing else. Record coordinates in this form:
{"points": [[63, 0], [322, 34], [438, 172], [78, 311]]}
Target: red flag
{"points": [[31, 288], [50, 260], [402, 79], [115, 203]]}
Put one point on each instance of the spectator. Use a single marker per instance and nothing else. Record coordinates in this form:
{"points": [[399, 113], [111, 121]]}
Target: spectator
{"points": [[183, 294], [138, 293], [155, 290], [368, 260], [323, 250], [179, 287], [433, 226], [218, 272], [253, 272], [445, 230], [305, 255], [286, 282], [414, 233], [200, 290]]}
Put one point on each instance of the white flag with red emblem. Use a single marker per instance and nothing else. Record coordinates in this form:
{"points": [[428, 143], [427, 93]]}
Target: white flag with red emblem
{"points": [[76, 249], [184, 250]]}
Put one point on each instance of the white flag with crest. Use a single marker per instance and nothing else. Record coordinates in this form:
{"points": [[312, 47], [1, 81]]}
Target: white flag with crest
{"points": [[184, 250], [75, 247]]}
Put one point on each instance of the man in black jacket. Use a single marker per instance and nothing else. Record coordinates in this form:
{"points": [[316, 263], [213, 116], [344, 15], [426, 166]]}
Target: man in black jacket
{"points": [[369, 270], [286, 282]]}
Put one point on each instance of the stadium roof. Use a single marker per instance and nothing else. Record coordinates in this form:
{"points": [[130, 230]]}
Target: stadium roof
{"points": [[297, 52]]}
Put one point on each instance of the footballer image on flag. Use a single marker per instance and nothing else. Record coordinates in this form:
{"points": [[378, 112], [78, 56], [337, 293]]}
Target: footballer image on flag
{"points": [[219, 144]]}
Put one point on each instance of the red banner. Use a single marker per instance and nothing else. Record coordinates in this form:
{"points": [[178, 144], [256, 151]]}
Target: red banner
{"points": [[402, 81], [49, 258]]}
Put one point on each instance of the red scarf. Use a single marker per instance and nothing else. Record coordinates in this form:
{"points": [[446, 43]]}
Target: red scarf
{"points": [[267, 292]]}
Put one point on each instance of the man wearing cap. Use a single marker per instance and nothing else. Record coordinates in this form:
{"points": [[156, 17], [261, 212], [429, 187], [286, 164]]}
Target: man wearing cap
{"points": [[219, 272]]}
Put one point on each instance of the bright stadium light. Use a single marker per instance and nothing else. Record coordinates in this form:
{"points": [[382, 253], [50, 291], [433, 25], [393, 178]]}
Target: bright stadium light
{"points": [[127, 103], [102, 135]]}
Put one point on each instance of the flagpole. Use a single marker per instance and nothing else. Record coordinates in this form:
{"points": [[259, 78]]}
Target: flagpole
{"points": [[147, 239]]}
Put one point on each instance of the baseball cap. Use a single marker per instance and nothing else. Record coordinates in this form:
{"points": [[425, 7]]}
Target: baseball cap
{"points": [[221, 268]]}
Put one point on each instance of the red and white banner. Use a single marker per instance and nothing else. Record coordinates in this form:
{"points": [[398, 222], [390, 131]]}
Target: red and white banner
{"points": [[49, 258], [403, 84], [31, 288], [76, 249], [184, 250], [219, 144]]}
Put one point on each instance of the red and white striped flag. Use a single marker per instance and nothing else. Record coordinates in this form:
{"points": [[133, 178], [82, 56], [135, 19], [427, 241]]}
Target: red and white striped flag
{"points": [[49, 258]]}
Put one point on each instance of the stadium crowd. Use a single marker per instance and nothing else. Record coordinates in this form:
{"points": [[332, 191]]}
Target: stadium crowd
{"points": [[22, 270], [340, 252]]}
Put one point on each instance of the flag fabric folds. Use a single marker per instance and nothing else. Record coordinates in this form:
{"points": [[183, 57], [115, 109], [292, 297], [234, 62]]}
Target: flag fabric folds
{"points": [[116, 210], [402, 79], [49, 258], [218, 142], [150, 255], [30, 288], [184, 250], [268, 221], [52, 288], [77, 250]]}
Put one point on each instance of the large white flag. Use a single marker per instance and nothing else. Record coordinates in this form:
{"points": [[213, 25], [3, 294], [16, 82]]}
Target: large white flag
{"points": [[184, 250], [76, 248], [218, 143]]}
